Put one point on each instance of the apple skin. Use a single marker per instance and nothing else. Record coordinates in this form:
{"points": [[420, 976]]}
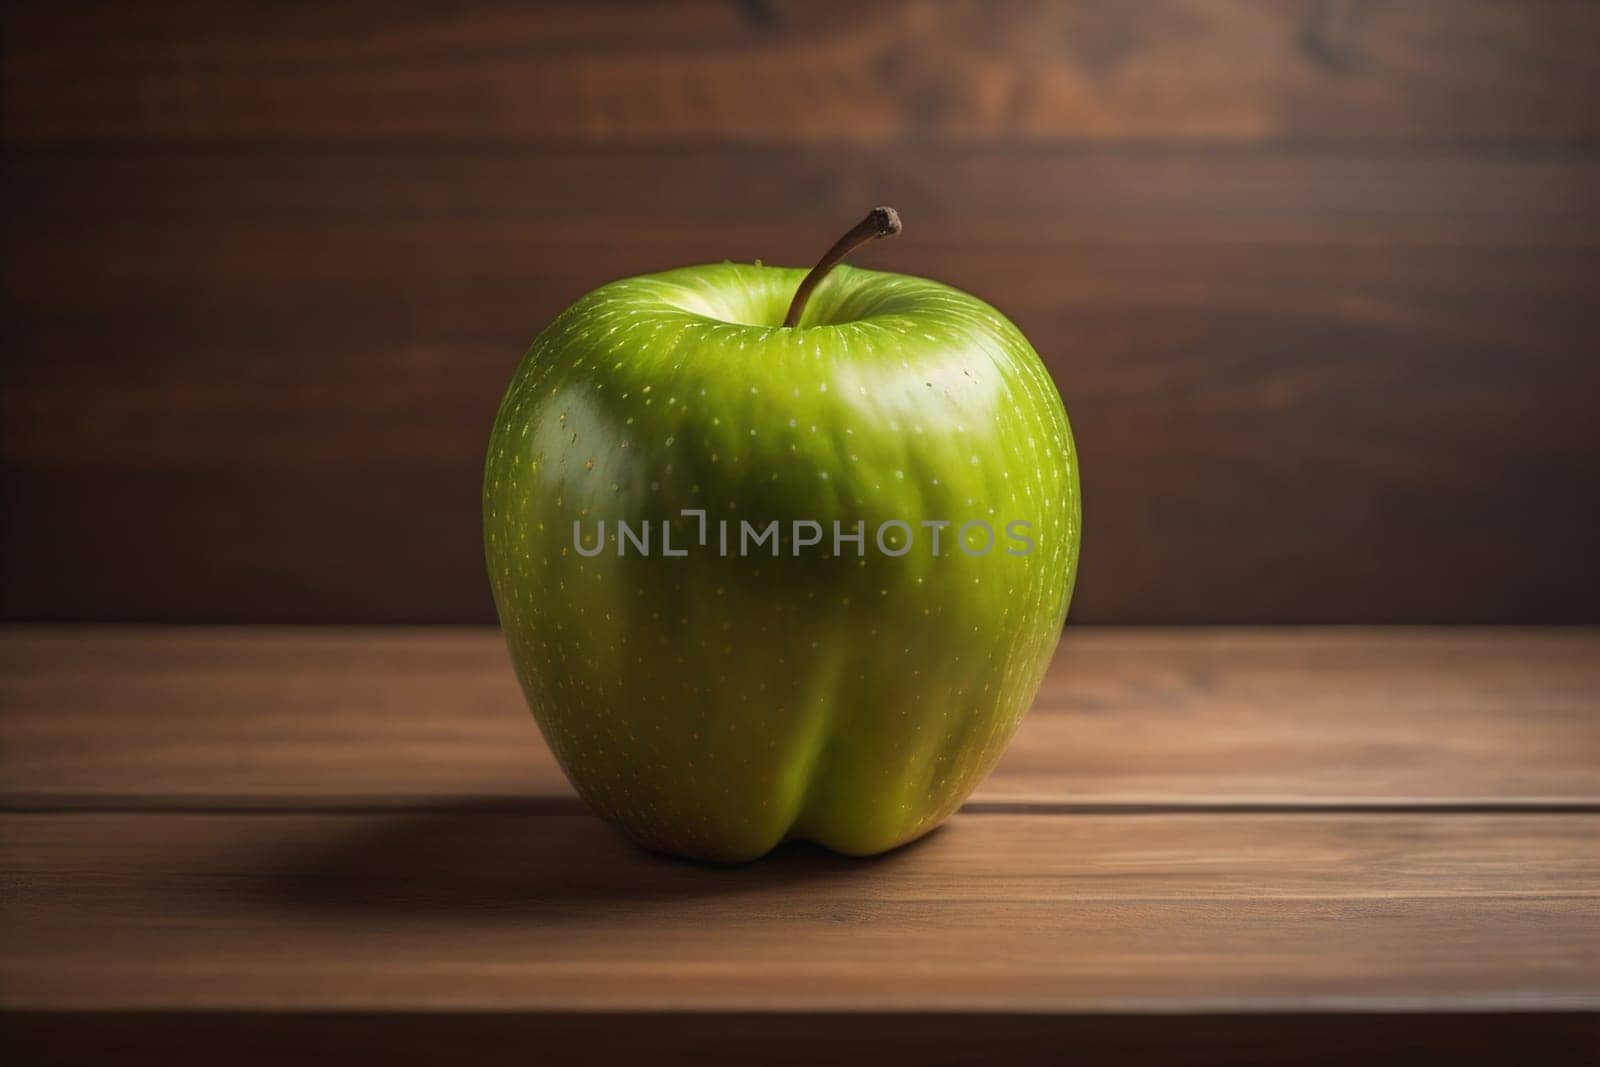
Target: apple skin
{"points": [[713, 706]]}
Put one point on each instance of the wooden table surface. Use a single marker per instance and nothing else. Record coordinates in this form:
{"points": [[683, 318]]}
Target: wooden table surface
{"points": [[250, 844]]}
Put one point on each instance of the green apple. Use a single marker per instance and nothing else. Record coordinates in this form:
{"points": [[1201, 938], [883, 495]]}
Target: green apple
{"points": [[764, 581]]}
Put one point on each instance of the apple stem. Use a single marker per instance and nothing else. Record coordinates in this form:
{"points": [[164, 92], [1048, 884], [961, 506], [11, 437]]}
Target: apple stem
{"points": [[880, 222]]}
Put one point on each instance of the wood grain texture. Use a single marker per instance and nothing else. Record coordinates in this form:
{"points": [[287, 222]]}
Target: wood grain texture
{"points": [[268, 719], [247, 385], [1208, 70], [1314, 278], [1023, 913]]}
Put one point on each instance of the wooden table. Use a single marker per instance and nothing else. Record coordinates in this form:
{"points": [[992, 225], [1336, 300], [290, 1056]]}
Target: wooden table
{"points": [[242, 845]]}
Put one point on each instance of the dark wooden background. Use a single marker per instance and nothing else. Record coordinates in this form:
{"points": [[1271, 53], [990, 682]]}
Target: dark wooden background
{"points": [[1318, 280]]}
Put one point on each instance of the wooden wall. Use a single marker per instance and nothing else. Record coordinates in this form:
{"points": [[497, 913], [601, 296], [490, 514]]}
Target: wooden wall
{"points": [[1318, 280]]}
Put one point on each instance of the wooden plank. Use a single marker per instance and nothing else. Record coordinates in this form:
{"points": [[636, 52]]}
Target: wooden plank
{"points": [[1268, 358], [284, 718], [1215, 70], [1037, 913]]}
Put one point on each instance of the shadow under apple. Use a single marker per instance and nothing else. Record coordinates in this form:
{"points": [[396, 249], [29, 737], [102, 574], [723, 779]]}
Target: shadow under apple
{"points": [[483, 859]]}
